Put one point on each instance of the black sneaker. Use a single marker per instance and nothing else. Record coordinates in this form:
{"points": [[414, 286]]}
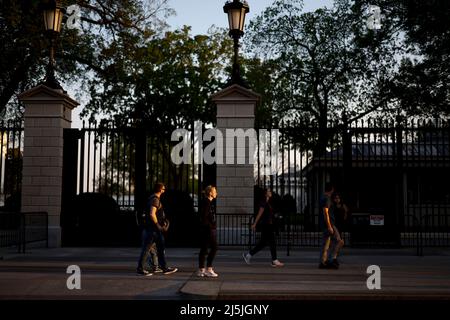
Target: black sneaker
{"points": [[169, 270], [336, 262], [144, 273], [333, 265], [323, 265]]}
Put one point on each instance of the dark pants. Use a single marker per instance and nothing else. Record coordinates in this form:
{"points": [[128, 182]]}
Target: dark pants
{"points": [[329, 242], [149, 238], [267, 237], [147, 242], [208, 240], [161, 247]]}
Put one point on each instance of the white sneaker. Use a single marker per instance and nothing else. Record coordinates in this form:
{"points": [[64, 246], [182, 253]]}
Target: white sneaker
{"points": [[201, 273], [211, 274], [277, 264], [247, 257]]}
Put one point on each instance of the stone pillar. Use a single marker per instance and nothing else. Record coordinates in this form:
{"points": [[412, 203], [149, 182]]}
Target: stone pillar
{"points": [[235, 182], [47, 113]]}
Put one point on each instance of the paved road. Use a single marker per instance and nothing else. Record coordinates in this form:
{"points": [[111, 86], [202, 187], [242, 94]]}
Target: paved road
{"points": [[109, 274]]}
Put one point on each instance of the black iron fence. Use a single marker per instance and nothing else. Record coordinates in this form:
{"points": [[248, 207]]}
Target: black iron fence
{"points": [[120, 161], [124, 164], [392, 176], [20, 229], [234, 231]]}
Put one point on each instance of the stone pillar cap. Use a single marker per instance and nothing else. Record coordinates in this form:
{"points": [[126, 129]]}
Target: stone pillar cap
{"points": [[235, 93], [44, 94]]}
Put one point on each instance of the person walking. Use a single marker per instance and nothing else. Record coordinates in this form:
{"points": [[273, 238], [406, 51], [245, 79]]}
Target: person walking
{"points": [[153, 232], [341, 212], [329, 231], [266, 219], [208, 234]]}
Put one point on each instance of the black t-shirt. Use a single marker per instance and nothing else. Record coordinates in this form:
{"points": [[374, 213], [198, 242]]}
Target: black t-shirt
{"points": [[325, 202], [267, 216], [208, 214], [154, 201]]}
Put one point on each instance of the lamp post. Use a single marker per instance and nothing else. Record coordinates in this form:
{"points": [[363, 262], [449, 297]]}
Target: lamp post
{"points": [[53, 15], [236, 11]]}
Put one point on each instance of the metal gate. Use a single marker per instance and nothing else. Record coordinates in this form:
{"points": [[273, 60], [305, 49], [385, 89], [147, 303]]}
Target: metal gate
{"points": [[108, 175], [391, 175]]}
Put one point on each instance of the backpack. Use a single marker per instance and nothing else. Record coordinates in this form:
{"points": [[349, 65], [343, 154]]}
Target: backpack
{"points": [[142, 219]]}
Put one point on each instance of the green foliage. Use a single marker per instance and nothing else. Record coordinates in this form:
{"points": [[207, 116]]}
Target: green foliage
{"points": [[327, 63], [164, 83], [22, 51], [123, 60], [317, 61]]}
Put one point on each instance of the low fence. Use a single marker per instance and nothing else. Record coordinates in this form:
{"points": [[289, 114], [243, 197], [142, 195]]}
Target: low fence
{"points": [[20, 229], [234, 230]]}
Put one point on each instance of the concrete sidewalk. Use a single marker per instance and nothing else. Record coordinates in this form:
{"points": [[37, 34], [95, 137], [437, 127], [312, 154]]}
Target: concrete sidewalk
{"points": [[110, 274]]}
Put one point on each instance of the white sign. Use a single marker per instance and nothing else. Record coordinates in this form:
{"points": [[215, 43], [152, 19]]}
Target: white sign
{"points": [[376, 220]]}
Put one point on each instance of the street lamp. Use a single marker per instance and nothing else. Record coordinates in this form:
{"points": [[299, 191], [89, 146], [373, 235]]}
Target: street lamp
{"points": [[236, 11], [53, 15]]}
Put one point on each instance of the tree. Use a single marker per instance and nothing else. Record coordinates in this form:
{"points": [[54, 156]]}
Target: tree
{"points": [[22, 47], [328, 63], [130, 68], [319, 64], [81, 56], [164, 83], [422, 84], [414, 35]]}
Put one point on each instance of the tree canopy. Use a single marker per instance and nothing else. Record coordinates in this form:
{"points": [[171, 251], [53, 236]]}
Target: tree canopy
{"points": [[328, 63], [125, 61], [313, 66]]}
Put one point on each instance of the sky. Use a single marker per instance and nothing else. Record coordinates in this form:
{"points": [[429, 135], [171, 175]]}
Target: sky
{"points": [[201, 15]]}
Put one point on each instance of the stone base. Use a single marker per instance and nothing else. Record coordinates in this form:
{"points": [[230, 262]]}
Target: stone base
{"points": [[54, 236]]}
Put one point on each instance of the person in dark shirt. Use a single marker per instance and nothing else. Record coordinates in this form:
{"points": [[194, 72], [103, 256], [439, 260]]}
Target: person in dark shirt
{"points": [[341, 212], [265, 217], [329, 231], [155, 224], [208, 234]]}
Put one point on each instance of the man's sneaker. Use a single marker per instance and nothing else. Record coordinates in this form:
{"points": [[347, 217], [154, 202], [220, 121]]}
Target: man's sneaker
{"points": [[247, 257], [144, 273], [157, 270], [170, 270], [323, 265], [333, 265], [277, 264], [211, 274], [201, 273], [336, 262]]}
